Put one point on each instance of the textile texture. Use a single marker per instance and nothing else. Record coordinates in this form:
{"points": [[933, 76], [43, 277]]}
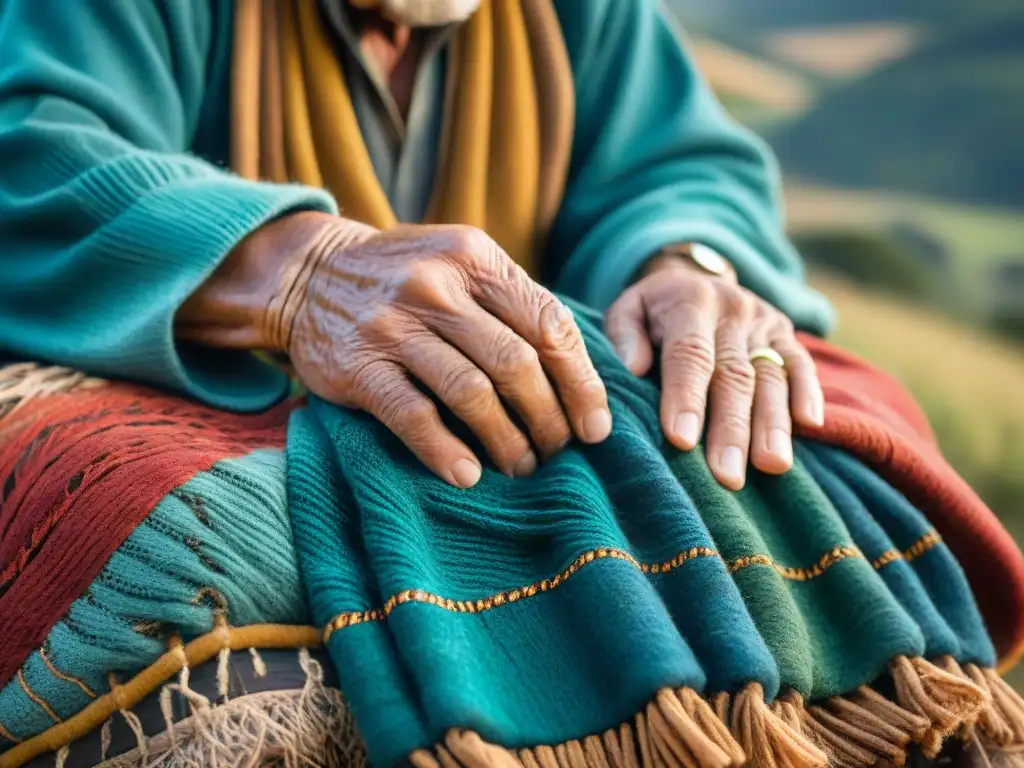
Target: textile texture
{"points": [[547, 611], [870, 415], [526, 612]]}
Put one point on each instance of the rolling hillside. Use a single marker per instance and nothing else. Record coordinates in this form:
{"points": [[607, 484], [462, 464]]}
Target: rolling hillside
{"points": [[944, 121]]}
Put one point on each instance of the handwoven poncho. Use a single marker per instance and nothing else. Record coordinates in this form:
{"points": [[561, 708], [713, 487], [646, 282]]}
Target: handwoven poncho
{"points": [[583, 609]]}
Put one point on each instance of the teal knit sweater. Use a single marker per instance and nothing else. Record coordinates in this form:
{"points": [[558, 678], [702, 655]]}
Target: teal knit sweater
{"points": [[115, 205]]}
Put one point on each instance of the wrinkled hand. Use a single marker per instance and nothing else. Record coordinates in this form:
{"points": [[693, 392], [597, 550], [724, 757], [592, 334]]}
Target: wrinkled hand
{"points": [[706, 328], [447, 307]]}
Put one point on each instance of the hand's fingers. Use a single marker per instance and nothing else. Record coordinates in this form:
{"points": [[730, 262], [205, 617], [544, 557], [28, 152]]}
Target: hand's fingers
{"points": [[383, 390], [548, 326], [470, 395], [626, 325], [687, 366], [514, 368], [805, 397], [771, 444], [731, 397]]}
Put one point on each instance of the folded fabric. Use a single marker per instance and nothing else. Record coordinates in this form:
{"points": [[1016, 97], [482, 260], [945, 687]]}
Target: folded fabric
{"points": [[578, 614], [144, 536], [620, 607], [871, 416]]}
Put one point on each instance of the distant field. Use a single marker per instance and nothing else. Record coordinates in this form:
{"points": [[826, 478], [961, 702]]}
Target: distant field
{"points": [[843, 51], [975, 237]]}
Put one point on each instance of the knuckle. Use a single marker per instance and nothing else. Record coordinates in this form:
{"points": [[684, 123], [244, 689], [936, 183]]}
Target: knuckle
{"points": [[559, 332], [784, 328], [468, 389], [469, 245], [736, 302], [430, 284], [733, 425], [553, 433], [733, 370], [771, 375], [515, 358], [693, 353], [411, 416]]}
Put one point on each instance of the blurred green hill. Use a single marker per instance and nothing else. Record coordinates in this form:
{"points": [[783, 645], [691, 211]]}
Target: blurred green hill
{"points": [[944, 121], [898, 126]]}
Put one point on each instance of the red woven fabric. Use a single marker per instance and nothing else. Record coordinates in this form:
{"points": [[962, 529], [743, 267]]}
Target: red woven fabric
{"points": [[871, 415], [79, 472]]}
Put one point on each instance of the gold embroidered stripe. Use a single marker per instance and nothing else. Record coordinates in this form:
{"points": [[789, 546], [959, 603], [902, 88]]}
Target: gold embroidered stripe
{"points": [[36, 699], [66, 678], [830, 558]]}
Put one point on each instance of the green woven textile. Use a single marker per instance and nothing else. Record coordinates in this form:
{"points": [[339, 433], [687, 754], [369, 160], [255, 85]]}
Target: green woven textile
{"points": [[537, 611]]}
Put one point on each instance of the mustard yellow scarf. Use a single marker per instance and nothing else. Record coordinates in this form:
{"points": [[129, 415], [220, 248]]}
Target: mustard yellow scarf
{"points": [[507, 128]]}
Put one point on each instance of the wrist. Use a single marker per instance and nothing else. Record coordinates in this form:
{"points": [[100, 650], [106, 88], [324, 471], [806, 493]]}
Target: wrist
{"points": [[253, 297], [692, 257]]}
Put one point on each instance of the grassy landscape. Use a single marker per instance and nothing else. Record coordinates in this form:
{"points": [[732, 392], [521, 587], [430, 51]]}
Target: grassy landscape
{"points": [[905, 175]]}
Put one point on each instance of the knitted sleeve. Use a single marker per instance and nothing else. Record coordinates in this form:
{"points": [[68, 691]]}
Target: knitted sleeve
{"points": [[107, 224], [656, 161]]}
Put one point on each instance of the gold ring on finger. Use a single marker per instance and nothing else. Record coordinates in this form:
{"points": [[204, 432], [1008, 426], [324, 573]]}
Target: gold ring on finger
{"points": [[769, 354]]}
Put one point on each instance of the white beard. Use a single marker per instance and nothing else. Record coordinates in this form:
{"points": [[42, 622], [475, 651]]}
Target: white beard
{"points": [[427, 13]]}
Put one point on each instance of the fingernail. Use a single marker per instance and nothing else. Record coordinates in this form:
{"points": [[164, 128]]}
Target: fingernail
{"points": [[597, 425], [466, 473], [818, 411], [731, 464], [627, 353], [780, 444], [687, 428], [526, 465]]}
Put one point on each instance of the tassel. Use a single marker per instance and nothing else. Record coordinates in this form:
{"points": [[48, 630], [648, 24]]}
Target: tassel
{"points": [[628, 744], [875, 703], [259, 668], [950, 665], [787, 707], [842, 751], [668, 746], [701, 742], [610, 739], [595, 754], [701, 713], [223, 673], [105, 739], [766, 739], [887, 747], [546, 757], [473, 752], [947, 701], [1008, 703], [646, 756]]}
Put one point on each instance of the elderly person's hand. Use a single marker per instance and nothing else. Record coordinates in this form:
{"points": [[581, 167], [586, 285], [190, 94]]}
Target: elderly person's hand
{"points": [[367, 312], [708, 329]]}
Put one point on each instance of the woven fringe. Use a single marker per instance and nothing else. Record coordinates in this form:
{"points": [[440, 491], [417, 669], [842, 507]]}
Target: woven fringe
{"points": [[1001, 724], [293, 729], [678, 729], [947, 701]]}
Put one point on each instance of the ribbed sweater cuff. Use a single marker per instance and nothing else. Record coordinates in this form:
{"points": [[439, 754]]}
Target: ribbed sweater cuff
{"points": [[170, 224]]}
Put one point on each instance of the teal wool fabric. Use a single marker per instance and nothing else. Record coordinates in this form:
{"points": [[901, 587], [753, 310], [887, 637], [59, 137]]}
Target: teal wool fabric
{"points": [[220, 542], [931, 585], [548, 609], [115, 204]]}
